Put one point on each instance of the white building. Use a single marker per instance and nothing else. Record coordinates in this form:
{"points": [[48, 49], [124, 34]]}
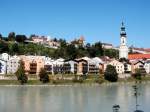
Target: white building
{"points": [[107, 46], [94, 64], [123, 49], [73, 65], [2, 67], [59, 62], [147, 66], [8, 64], [13, 64], [48, 64], [4, 56], [118, 65]]}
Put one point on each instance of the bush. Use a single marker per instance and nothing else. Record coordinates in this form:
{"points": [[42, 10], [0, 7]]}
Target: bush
{"points": [[139, 72], [43, 76], [110, 74], [99, 80]]}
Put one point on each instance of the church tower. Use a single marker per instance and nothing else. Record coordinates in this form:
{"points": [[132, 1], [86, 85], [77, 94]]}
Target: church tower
{"points": [[123, 49]]}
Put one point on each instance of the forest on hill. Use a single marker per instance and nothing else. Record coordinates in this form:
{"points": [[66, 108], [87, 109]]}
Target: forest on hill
{"points": [[15, 45]]}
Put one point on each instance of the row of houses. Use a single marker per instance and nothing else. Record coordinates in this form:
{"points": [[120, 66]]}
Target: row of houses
{"points": [[33, 64]]}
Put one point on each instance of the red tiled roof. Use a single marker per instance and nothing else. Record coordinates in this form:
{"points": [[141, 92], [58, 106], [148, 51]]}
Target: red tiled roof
{"points": [[138, 56]]}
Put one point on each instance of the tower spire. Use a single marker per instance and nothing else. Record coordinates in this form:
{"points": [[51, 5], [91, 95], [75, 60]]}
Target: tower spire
{"points": [[122, 32]]}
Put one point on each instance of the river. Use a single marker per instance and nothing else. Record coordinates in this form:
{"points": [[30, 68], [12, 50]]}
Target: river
{"points": [[72, 98]]}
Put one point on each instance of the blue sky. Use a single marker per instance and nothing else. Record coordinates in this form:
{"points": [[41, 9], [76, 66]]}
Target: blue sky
{"points": [[96, 20]]}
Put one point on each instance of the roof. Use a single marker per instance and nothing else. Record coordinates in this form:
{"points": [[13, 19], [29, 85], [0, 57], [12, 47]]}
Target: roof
{"points": [[136, 62], [142, 49], [80, 60], [138, 56], [98, 60]]}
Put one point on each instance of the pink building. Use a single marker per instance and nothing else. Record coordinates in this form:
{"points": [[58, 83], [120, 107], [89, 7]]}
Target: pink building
{"points": [[38, 39]]}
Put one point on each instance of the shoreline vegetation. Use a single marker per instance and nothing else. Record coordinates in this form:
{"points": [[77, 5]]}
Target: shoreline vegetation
{"points": [[67, 80]]}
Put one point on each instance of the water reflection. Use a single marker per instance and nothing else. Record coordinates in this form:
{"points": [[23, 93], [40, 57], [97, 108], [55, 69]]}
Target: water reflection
{"points": [[71, 99]]}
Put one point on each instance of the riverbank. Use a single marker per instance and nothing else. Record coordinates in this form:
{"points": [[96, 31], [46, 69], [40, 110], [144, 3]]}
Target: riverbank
{"points": [[86, 82]]}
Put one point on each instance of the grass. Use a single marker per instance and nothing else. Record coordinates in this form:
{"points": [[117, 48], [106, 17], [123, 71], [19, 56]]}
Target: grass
{"points": [[9, 82], [69, 79]]}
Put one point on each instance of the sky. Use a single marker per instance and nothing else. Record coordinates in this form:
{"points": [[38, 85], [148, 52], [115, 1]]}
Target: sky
{"points": [[96, 20]]}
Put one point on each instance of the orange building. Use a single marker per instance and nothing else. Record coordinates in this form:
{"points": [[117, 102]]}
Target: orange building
{"points": [[33, 64]]}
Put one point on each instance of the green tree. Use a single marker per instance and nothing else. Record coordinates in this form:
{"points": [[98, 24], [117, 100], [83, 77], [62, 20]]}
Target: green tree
{"points": [[99, 49], [112, 53], [1, 37], [81, 52], [11, 36], [110, 73], [3, 47], [43, 75], [21, 76], [71, 51], [20, 38], [13, 48], [55, 40]]}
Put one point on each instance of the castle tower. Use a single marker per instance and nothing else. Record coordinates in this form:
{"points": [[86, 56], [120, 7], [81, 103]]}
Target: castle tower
{"points": [[123, 49]]}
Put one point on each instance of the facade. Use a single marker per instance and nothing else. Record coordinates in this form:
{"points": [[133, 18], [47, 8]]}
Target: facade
{"points": [[95, 65], [58, 66], [52, 44], [79, 42], [8, 64], [147, 66], [37, 39], [140, 50], [137, 65], [73, 66], [82, 66], [118, 65], [48, 65], [2, 67], [33, 64], [45, 41], [4, 56], [13, 64], [123, 49], [107, 46]]}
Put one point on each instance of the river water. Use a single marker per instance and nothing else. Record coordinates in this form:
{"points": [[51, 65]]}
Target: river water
{"points": [[72, 98]]}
